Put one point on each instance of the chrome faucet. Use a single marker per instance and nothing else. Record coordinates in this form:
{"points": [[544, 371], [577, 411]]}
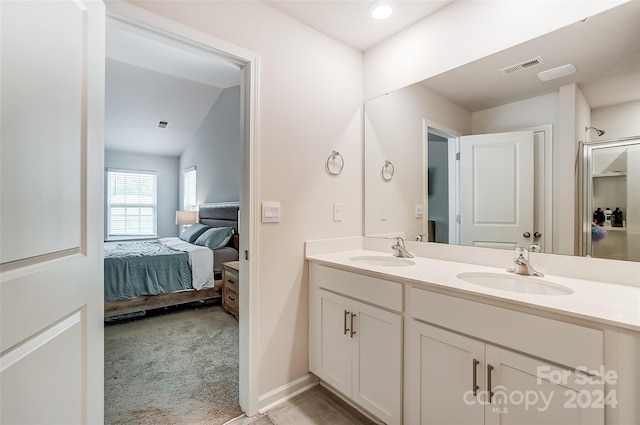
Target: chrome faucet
{"points": [[399, 249], [522, 265]]}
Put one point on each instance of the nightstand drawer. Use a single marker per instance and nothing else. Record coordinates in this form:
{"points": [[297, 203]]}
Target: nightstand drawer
{"points": [[230, 299], [231, 287], [231, 280]]}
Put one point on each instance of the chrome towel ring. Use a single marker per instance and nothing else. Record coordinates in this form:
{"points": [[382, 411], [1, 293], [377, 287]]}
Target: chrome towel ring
{"points": [[335, 163], [388, 170]]}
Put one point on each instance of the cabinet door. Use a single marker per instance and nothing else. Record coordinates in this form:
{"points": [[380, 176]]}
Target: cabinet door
{"points": [[377, 362], [530, 391], [335, 341], [440, 372]]}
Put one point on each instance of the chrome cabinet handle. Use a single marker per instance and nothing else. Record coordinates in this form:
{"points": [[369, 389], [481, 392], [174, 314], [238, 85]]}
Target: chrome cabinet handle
{"points": [[537, 235], [346, 313], [475, 376], [489, 370], [352, 331], [526, 235]]}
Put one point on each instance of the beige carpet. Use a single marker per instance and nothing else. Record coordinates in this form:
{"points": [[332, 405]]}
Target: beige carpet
{"points": [[178, 367]]}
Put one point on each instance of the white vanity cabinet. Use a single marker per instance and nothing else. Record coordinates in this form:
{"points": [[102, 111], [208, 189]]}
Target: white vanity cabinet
{"points": [[461, 380], [356, 338], [445, 366]]}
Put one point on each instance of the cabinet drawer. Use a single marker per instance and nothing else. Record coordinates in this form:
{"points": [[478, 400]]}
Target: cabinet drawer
{"points": [[230, 298], [231, 280], [564, 343], [368, 289]]}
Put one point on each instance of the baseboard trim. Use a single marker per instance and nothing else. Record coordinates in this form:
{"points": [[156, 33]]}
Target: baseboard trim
{"points": [[285, 392]]}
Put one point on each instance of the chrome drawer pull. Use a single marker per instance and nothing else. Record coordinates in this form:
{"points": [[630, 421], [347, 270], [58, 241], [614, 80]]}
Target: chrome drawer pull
{"points": [[346, 313], [475, 377], [489, 370], [352, 331]]}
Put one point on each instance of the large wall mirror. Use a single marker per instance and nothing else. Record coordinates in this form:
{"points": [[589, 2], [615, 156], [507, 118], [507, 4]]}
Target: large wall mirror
{"points": [[485, 154]]}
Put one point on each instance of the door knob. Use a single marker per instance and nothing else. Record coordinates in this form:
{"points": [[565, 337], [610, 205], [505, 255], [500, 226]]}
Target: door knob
{"points": [[537, 235], [526, 234]]}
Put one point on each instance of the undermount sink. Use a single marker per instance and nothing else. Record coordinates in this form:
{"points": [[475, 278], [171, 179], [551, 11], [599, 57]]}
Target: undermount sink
{"points": [[515, 283], [379, 260]]}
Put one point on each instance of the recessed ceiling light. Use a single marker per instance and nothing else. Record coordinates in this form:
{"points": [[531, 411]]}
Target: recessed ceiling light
{"points": [[558, 72], [381, 10], [163, 124]]}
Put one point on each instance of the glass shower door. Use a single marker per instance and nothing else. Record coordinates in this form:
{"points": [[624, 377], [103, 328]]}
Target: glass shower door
{"points": [[612, 199]]}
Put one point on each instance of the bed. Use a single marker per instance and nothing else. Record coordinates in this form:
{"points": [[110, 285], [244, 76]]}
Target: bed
{"points": [[145, 275]]}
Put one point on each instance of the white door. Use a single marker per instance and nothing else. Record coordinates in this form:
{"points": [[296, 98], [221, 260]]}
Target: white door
{"points": [[377, 362], [51, 214], [528, 391], [496, 190], [444, 370]]}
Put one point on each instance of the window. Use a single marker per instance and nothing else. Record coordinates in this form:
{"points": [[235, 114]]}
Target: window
{"points": [[131, 203], [189, 189]]}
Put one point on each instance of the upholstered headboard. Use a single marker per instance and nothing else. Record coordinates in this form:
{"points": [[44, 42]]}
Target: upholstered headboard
{"points": [[220, 214]]}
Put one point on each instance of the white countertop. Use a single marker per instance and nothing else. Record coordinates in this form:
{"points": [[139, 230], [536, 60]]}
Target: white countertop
{"points": [[609, 303]]}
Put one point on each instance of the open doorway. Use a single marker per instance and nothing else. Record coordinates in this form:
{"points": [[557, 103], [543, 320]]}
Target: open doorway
{"points": [[442, 205], [152, 76]]}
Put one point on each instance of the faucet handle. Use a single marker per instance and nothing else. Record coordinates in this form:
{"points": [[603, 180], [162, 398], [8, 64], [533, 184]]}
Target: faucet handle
{"points": [[522, 253]]}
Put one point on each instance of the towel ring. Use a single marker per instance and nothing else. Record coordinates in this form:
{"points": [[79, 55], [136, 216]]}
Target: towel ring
{"points": [[333, 165], [388, 170]]}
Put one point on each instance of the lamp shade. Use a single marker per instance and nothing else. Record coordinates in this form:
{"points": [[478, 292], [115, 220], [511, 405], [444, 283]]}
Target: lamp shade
{"points": [[186, 217]]}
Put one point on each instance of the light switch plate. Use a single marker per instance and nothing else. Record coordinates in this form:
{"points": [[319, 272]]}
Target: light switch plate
{"points": [[384, 211], [419, 211], [337, 212], [271, 212]]}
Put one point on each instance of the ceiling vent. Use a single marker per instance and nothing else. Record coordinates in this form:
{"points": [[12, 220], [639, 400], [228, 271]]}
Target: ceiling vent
{"points": [[163, 124], [522, 65]]}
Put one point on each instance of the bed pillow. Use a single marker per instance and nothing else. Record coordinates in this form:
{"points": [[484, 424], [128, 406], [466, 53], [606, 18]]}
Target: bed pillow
{"points": [[192, 232], [215, 237]]}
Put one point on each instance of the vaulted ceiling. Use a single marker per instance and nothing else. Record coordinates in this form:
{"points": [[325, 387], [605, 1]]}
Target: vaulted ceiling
{"points": [[151, 79]]}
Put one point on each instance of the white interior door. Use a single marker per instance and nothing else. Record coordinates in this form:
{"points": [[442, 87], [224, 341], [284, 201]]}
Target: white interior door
{"points": [[51, 215], [496, 190]]}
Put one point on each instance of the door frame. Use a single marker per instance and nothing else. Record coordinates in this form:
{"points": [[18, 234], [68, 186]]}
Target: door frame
{"points": [[136, 17], [453, 146], [544, 153]]}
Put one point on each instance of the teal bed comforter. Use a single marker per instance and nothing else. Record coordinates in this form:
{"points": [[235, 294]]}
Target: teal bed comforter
{"points": [[136, 268]]}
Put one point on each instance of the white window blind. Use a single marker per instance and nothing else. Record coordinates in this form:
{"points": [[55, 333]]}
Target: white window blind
{"points": [[189, 189], [131, 203]]}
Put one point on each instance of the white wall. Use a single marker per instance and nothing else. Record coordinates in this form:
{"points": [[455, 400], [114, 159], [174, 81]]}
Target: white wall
{"points": [[216, 152], [394, 131], [618, 121], [166, 168], [463, 32], [310, 103]]}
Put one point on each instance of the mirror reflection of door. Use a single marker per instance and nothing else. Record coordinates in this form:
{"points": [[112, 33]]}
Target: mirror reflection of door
{"points": [[497, 190]]}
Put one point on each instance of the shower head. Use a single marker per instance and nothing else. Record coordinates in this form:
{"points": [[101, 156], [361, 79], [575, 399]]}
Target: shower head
{"points": [[600, 132]]}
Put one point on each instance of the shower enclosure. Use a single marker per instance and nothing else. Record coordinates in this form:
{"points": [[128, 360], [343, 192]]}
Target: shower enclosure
{"points": [[611, 182]]}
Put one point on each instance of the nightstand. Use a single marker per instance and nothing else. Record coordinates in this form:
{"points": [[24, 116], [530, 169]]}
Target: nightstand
{"points": [[231, 287]]}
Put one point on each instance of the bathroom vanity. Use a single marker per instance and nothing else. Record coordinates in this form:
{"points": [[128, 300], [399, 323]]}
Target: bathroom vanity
{"points": [[429, 341]]}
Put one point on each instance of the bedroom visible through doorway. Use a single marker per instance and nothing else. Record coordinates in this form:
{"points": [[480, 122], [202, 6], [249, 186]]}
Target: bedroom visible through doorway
{"points": [[173, 106]]}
